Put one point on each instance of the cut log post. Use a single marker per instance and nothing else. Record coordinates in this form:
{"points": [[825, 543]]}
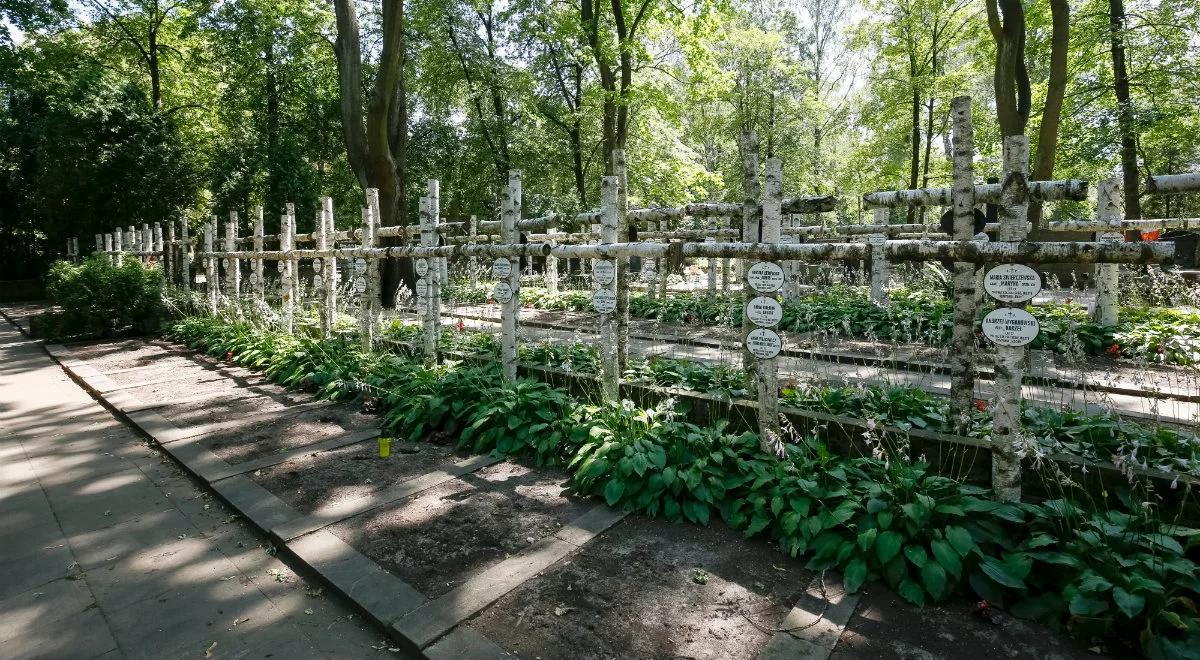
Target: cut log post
{"points": [[962, 365], [551, 266], [621, 171], [332, 276], [726, 265], [1007, 443], [1110, 211], [295, 271], [510, 214], [610, 368], [368, 296], [437, 270], [426, 285], [751, 233], [321, 281], [99, 243], [880, 269], [712, 268], [210, 266], [170, 256], [185, 254], [233, 267], [287, 269], [132, 241], [473, 263], [661, 266], [257, 278], [108, 249], [766, 372], [159, 252]]}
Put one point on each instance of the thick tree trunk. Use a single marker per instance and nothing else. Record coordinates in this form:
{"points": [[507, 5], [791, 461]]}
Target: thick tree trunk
{"points": [[1011, 79], [371, 146], [1125, 119], [1056, 88]]}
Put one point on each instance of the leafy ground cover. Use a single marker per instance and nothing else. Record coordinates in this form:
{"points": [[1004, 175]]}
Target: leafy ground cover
{"points": [[1100, 438], [1124, 577], [1154, 334]]}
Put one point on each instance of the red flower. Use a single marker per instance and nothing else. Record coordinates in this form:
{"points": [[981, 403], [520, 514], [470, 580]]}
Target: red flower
{"points": [[1114, 351], [980, 405], [461, 325], [229, 355]]}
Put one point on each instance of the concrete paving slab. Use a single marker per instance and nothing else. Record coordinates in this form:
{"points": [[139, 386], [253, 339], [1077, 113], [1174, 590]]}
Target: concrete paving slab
{"points": [[87, 636], [39, 608]]}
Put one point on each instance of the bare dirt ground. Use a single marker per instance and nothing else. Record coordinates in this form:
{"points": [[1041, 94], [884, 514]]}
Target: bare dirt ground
{"points": [[886, 627], [443, 535], [330, 477], [650, 589], [289, 432]]}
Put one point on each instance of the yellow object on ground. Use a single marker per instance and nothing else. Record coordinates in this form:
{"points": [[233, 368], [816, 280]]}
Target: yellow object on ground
{"points": [[385, 447]]}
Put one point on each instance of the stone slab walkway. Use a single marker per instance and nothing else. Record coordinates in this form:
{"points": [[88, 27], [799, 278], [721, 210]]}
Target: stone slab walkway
{"points": [[108, 550]]}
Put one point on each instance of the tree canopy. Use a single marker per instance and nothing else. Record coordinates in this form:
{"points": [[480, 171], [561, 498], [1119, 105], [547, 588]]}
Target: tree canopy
{"points": [[118, 112]]}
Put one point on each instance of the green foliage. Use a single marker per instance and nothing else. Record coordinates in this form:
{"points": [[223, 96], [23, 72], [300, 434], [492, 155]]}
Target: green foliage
{"points": [[524, 418], [101, 298]]}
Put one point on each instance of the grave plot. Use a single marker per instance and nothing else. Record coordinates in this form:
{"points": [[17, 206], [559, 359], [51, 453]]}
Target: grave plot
{"points": [[884, 628], [325, 479], [439, 537], [282, 429], [648, 589], [216, 410], [108, 354]]}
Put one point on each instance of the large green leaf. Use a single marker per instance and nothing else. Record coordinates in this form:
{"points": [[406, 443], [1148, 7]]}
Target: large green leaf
{"points": [[960, 539], [946, 557], [1130, 604], [1084, 605], [1001, 573], [887, 545], [855, 575], [934, 578], [613, 491]]}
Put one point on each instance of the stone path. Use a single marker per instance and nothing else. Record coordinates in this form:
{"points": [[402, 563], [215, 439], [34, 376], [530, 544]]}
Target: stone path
{"points": [[451, 555], [108, 550]]}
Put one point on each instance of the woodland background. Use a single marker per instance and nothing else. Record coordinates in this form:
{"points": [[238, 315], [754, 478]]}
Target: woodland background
{"points": [[116, 112]]}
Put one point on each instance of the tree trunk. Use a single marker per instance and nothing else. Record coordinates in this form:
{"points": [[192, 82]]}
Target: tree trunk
{"points": [[914, 166], [1011, 78], [1129, 165], [576, 140], [370, 147], [155, 74], [1056, 88]]}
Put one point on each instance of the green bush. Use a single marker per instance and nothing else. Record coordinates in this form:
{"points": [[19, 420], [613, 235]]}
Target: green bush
{"points": [[103, 299]]}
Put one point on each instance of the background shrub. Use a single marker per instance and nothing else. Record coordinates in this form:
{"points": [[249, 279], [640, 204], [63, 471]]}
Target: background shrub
{"points": [[101, 298]]}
